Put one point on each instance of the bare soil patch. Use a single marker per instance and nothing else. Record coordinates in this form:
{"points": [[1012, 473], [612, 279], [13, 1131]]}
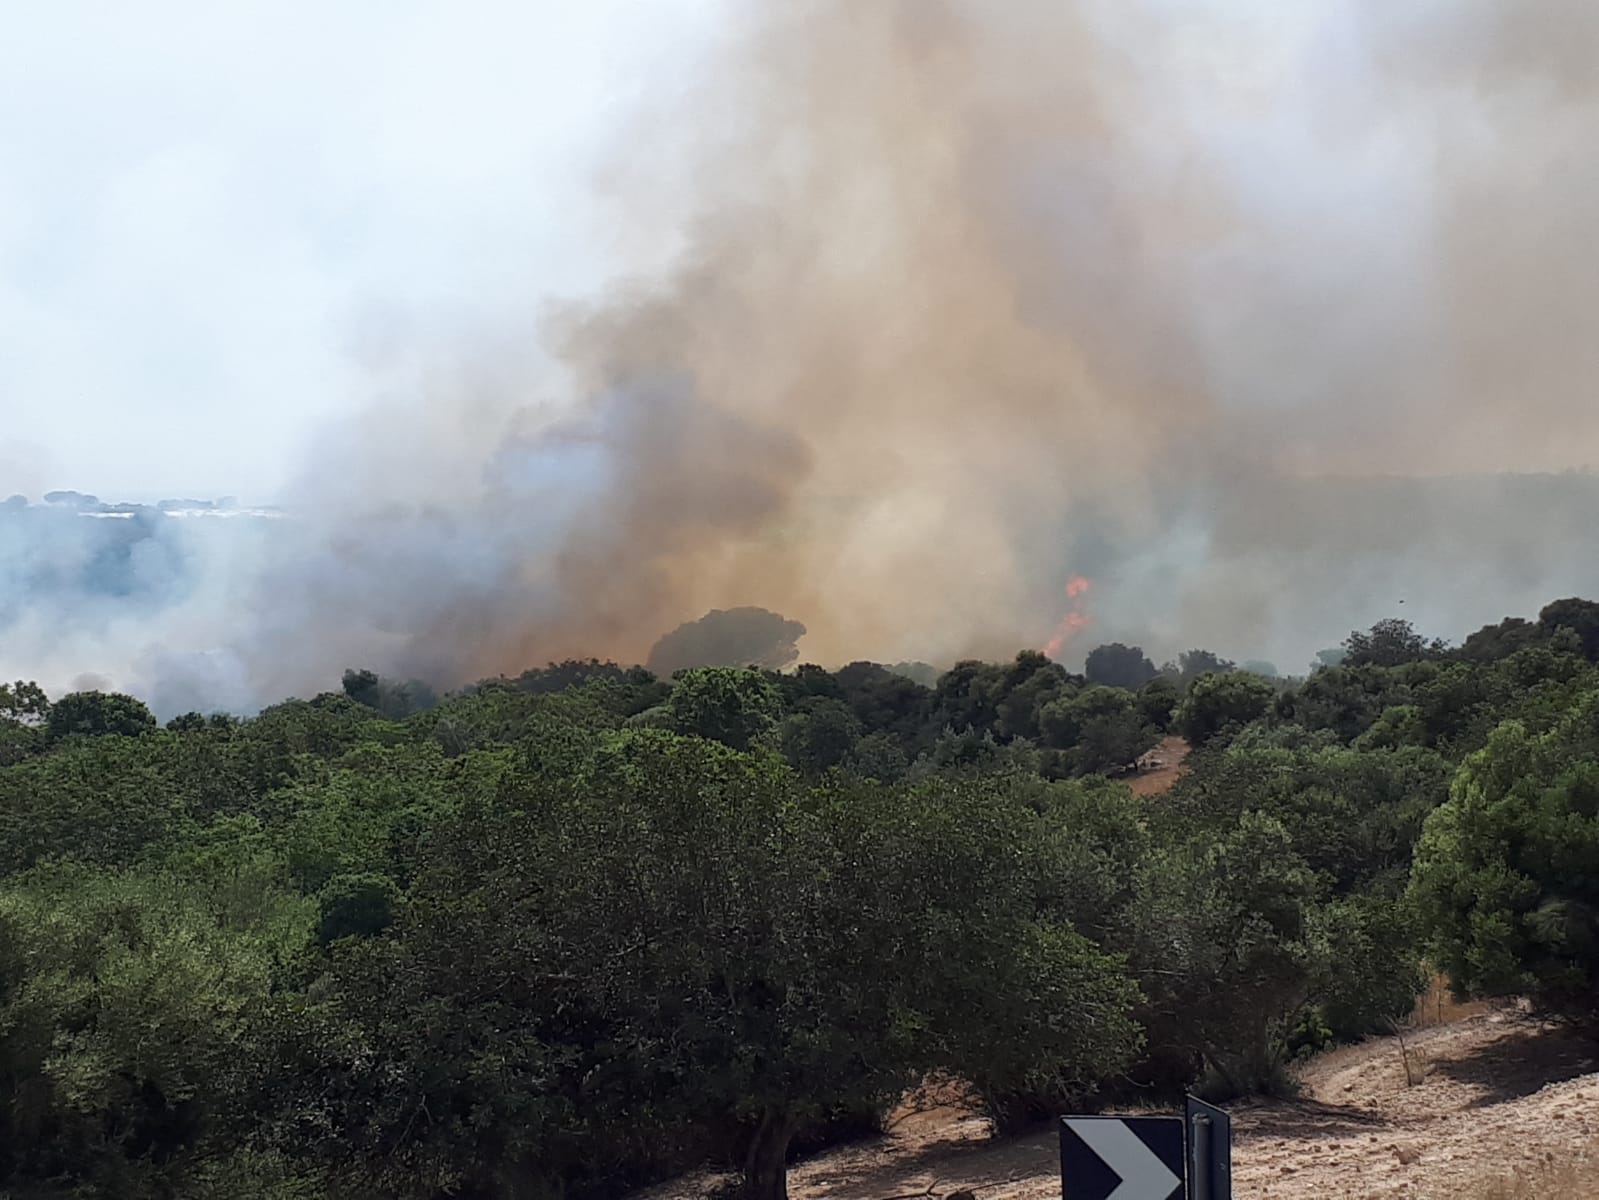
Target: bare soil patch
{"points": [[1160, 768]]}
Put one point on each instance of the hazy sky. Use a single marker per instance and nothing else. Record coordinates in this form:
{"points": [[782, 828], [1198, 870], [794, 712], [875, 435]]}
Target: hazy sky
{"points": [[214, 216], [217, 220], [1052, 287]]}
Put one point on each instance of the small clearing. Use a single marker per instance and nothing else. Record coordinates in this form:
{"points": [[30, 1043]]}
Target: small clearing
{"points": [[1159, 768]]}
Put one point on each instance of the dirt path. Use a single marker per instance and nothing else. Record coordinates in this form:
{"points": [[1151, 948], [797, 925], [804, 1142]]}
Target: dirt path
{"points": [[1498, 1095]]}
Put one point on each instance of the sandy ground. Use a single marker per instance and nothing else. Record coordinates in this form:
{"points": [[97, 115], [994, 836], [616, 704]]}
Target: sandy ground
{"points": [[1499, 1095]]}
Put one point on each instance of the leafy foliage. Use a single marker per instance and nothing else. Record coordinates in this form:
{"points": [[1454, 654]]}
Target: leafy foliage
{"points": [[564, 933], [1388, 643], [125, 1020], [679, 895], [1218, 703], [724, 704], [1505, 874], [97, 714]]}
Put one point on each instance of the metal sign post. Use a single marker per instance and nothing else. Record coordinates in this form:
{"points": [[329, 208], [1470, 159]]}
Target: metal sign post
{"points": [[1210, 1152]]}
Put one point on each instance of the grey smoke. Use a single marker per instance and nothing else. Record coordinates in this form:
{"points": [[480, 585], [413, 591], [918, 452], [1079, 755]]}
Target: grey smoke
{"points": [[1239, 310]]}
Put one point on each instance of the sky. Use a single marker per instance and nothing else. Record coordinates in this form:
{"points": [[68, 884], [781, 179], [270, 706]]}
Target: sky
{"points": [[216, 219]]}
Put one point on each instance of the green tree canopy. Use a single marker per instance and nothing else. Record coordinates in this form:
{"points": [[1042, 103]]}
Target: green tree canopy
{"points": [[1215, 703], [714, 947], [735, 637], [724, 704], [1100, 728], [127, 1023], [819, 734], [1191, 664], [1389, 643], [96, 714], [1158, 700], [1579, 616], [1504, 874], [24, 708]]}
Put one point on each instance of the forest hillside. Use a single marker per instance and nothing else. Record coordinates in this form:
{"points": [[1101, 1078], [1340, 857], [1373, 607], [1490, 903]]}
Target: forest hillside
{"points": [[591, 928]]}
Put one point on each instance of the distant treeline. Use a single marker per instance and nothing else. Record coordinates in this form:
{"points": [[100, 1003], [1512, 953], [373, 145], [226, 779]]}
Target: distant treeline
{"points": [[562, 934], [85, 502]]}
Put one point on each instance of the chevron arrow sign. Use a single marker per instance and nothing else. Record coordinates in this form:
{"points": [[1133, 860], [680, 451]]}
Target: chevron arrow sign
{"points": [[1121, 1158]]}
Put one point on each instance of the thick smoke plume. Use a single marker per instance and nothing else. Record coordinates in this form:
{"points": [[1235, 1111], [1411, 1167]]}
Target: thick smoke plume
{"points": [[971, 298]]}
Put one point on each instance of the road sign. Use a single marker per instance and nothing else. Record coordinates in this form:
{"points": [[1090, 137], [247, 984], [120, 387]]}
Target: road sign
{"points": [[1210, 1152], [1122, 1158]]}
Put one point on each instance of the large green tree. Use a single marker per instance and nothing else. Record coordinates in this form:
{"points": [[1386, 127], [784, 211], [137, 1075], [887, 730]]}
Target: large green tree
{"points": [[1505, 875], [1100, 729], [1220, 702], [1389, 643], [24, 709], [1579, 616], [688, 939], [97, 714], [819, 734]]}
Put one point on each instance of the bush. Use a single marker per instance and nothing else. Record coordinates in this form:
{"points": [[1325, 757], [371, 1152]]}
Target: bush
{"points": [[126, 1022]]}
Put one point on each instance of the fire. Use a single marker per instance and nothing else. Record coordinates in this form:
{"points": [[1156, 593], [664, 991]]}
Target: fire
{"points": [[1073, 622], [1070, 625]]}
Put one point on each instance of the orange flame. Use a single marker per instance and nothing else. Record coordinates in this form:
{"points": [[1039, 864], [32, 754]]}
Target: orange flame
{"points": [[1073, 622], [1070, 625]]}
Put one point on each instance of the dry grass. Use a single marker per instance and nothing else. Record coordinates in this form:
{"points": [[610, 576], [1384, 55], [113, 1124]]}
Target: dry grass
{"points": [[1437, 1006], [1571, 1181], [1562, 1181], [1418, 1064]]}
